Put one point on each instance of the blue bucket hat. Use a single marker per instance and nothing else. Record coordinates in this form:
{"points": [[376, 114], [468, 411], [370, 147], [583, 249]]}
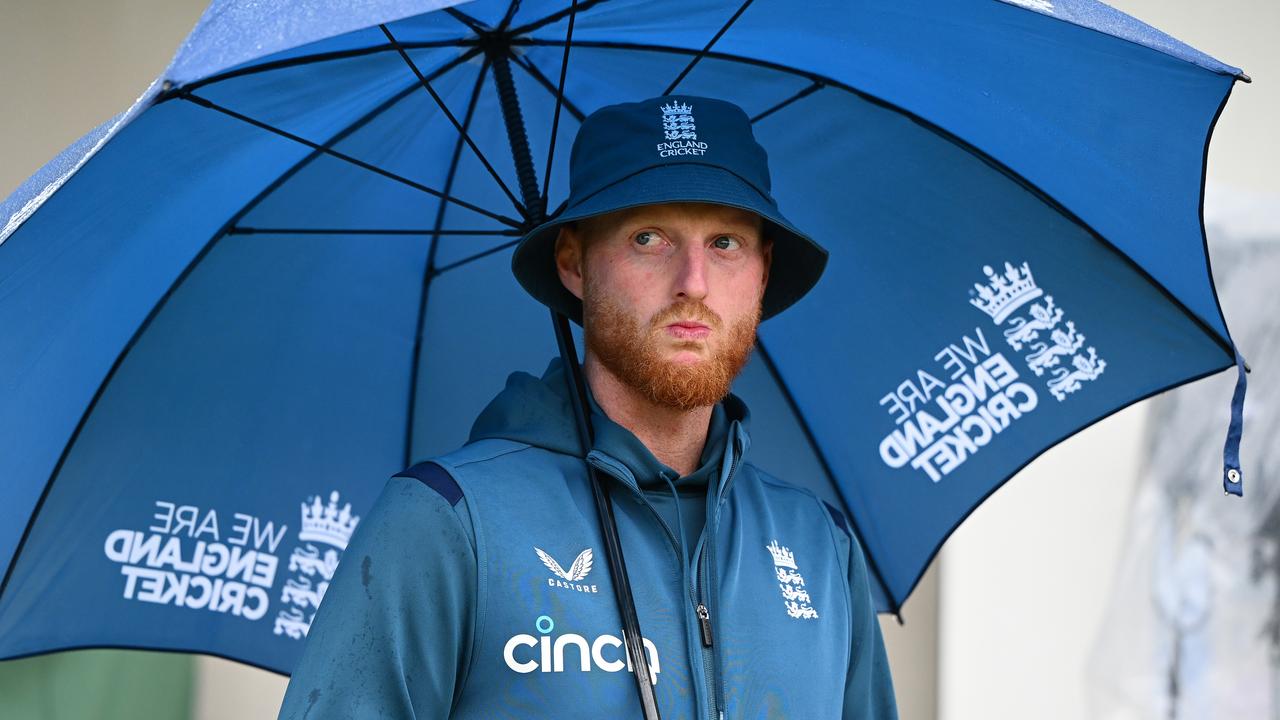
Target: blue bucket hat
{"points": [[672, 148]]}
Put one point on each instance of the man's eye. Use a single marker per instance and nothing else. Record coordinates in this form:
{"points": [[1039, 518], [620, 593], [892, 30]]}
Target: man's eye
{"points": [[646, 238], [724, 242]]}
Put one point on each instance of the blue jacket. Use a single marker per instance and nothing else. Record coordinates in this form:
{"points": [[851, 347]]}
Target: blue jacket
{"points": [[476, 587]]}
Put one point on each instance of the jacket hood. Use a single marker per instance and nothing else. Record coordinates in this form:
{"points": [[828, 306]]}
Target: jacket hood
{"points": [[537, 411]]}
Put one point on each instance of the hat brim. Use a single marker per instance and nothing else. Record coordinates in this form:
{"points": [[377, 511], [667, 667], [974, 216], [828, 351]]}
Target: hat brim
{"points": [[797, 262]]}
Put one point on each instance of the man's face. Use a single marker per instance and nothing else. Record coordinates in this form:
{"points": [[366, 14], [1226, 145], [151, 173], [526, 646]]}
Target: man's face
{"points": [[671, 295]]}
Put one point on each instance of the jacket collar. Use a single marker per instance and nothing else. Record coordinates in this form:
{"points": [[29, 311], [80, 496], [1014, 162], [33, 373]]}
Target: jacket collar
{"points": [[537, 411]]}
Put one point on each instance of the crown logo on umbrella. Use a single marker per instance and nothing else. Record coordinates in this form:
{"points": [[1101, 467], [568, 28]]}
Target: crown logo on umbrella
{"points": [[1006, 292], [328, 524]]}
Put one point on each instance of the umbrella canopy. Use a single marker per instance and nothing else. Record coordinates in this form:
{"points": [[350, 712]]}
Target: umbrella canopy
{"points": [[231, 312]]}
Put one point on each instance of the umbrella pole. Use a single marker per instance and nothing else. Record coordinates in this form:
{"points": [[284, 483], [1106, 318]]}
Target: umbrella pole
{"points": [[535, 209], [608, 525]]}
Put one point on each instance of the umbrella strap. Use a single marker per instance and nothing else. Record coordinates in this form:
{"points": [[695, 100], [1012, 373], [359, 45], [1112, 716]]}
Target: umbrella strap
{"points": [[1232, 477], [632, 638]]}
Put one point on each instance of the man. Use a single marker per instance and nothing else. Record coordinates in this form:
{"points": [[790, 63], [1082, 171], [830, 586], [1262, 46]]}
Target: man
{"points": [[476, 587]]}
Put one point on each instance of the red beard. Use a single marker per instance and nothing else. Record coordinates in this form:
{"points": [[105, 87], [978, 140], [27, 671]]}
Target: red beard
{"points": [[615, 337]]}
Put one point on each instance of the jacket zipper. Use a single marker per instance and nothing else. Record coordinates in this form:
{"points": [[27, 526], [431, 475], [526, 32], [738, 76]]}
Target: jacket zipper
{"points": [[711, 669], [706, 581]]}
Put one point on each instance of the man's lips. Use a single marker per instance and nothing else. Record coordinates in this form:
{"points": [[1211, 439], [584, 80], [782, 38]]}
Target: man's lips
{"points": [[688, 330]]}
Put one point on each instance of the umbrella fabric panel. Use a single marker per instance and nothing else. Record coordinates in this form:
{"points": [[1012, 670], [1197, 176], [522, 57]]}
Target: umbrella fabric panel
{"points": [[600, 76], [410, 137], [75, 285], [236, 407], [240, 33], [336, 92], [404, 134], [175, 140], [479, 325], [1106, 19], [472, 182], [369, 442], [1094, 318], [26, 197]]}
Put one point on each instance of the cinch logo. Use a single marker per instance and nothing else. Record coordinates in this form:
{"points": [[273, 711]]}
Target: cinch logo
{"points": [[549, 656]]}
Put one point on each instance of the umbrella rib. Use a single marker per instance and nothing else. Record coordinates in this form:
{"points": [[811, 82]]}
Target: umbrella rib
{"points": [[553, 17], [244, 230], [698, 57], [555, 120], [813, 87], [826, 465], [428, 271], [472, 258], [186, 272], [473, 24], [718, 55], [205, 102], [508, 15], [318, 58], [534, 72], [458, 126]]}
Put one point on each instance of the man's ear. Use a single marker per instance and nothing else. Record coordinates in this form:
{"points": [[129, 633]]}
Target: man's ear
{"points": [[569, 259]]}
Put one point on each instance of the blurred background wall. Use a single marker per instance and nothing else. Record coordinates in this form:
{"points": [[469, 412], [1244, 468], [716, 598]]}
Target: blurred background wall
{"points": [[1002, 624]]}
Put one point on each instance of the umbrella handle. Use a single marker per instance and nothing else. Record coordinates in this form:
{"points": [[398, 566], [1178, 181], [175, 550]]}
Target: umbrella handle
{"points": [[608, 524]]}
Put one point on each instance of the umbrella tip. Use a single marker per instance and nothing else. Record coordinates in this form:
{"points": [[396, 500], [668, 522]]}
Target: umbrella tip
{"points": [[1245, 77]]}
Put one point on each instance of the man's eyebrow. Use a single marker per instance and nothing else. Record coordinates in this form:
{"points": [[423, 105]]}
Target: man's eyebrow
{"points": [[640, 219]]}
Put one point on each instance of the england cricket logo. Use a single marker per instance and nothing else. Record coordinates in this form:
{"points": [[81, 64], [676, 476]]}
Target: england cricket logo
{"points": [[680, 132], [313, 565], [1053, 344], [794, 596], [677, 121]]}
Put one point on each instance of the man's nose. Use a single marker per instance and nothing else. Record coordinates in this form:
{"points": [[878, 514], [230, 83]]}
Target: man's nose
{"points": [[691, 273]]}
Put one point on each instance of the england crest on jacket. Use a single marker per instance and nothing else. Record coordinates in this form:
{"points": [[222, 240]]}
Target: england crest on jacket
{"points": [[791, 583]]}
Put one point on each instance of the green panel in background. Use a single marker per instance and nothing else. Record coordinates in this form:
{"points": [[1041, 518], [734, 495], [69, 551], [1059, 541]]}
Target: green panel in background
{"points": [[97, 684]]}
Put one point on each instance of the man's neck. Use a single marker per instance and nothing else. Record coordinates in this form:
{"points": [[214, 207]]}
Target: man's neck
{"points": [[675, 437]]}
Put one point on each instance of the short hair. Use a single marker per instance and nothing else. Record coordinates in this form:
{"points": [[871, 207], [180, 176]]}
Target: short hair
{"points": [[588, 230]]}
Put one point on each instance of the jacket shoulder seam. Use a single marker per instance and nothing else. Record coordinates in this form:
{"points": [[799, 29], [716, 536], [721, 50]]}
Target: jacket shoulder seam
{"points": [[508, 447], [435, 477], [781, 484]]}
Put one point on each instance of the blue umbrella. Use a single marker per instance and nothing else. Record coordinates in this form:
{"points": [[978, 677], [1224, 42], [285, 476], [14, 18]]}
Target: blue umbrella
{"points": [[232, 311]]}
